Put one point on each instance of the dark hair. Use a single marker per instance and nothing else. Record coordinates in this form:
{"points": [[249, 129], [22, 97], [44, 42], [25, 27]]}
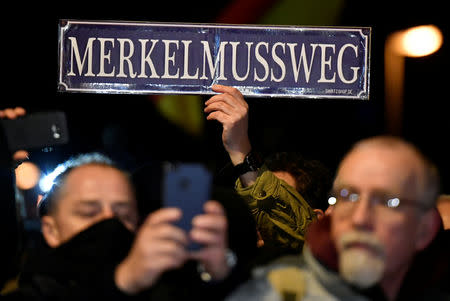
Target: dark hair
{"points": [[60, 173], [314, 180]]}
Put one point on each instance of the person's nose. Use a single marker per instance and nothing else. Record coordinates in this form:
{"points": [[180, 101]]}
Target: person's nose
{"points": [[108, 212], [363, 214]]}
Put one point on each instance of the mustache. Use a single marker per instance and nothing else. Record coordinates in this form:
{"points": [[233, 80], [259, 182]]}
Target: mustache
{"points": [[353, 238]]}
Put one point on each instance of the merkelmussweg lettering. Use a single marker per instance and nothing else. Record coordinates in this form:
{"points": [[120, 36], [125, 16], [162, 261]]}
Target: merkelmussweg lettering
{"points": [[135, 60], [126, 57]]}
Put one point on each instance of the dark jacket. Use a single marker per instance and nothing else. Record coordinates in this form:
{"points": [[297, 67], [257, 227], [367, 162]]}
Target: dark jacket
{"points": [[80, 269], [83, 269]]}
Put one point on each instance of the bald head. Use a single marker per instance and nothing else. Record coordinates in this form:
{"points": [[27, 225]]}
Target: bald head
{"points": [[408, 166], [89, 189]]}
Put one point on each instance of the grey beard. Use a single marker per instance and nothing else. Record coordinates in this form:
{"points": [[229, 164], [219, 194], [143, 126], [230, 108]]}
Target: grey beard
{"points": [[358, 266]]}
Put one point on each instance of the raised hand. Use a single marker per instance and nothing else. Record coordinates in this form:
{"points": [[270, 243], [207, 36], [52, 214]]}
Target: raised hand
{"points": [[231, 110]]}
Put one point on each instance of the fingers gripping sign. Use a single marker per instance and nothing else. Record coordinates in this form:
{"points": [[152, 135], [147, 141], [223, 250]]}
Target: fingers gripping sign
{"points": [[231, 110]]}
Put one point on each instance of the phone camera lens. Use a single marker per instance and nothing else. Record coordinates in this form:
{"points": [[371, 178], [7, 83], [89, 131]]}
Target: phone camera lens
{"points": [[55, 131]]}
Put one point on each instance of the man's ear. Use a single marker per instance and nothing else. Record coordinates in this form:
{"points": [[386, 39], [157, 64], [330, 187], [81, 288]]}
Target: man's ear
{"points": [[428, 227], [50, 231], [319, 213]]}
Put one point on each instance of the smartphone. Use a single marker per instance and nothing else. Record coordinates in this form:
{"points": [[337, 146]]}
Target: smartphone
{"points": [[36, 130], [187, 186]]}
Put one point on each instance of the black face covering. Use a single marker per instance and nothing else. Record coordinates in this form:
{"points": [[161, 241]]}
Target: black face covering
{"points": [[106, 241], [99, 248]]}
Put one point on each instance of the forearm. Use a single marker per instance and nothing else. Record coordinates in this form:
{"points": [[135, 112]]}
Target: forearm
{"points": [[249, 178], [237, 156]]}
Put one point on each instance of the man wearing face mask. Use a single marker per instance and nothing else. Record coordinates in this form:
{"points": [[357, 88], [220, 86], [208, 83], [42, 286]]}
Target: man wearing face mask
{"points": [[89, 221]]}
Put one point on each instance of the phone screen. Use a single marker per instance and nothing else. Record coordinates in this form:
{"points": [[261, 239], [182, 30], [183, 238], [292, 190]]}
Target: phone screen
{"points": [[187, 186]]}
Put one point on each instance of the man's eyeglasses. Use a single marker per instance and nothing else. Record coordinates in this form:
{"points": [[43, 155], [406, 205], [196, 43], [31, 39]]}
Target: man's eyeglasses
{"points": [[345, 195]]}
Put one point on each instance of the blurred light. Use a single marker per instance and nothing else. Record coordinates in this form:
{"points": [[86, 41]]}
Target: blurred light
{"points": [[46, 182], [354, 197], [413, 42], [393, 203], [39, 199], [27, 175], [344, 193], [420, 41], [332, 200]]}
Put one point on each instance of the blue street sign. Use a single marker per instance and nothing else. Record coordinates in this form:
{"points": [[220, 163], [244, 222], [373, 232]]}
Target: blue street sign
{"points": [[185, 58]]}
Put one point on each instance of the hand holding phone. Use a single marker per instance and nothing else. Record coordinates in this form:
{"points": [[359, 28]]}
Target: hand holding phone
{"points": [[35, 130], [187, 186]]}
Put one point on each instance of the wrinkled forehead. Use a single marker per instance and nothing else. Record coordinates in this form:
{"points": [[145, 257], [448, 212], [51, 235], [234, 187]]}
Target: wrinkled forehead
{"points": [[393, 169]]}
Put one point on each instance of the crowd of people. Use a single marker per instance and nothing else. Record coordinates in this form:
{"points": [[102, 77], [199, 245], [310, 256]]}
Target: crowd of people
{"points": [[271, 236]]}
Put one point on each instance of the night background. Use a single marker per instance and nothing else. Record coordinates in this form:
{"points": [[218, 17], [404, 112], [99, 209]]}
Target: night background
{"points": [[133, 129]]}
